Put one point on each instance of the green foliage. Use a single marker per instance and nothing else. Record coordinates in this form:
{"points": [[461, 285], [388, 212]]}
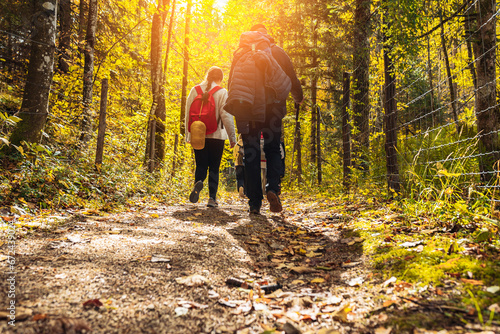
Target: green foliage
{"points": [[47, 179]]}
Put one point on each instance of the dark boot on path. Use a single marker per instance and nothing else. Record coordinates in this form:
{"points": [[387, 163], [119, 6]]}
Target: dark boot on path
{"points": [[195, 194], [274, 202]]}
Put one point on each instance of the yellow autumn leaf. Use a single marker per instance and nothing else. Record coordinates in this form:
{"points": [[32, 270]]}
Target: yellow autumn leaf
{"points": [[318, 280], [312, 254], [298, 281], [155, 215]]}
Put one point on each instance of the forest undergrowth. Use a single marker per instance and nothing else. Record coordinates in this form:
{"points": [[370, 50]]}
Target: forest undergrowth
{"points": [[424, 245]]}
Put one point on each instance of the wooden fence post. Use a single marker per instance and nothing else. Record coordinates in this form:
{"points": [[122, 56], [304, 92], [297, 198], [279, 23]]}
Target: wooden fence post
{"points": [[101, 132]]}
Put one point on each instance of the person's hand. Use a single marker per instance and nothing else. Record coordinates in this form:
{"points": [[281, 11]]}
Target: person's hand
{"points": [[233, 144]]}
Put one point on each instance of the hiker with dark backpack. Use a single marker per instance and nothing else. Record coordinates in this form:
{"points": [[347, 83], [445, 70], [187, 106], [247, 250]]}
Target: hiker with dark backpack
{"points": [[209, 125], [260, 80]]}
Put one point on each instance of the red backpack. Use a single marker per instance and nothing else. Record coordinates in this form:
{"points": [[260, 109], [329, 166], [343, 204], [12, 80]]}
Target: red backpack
{"points": [[204, 112]]}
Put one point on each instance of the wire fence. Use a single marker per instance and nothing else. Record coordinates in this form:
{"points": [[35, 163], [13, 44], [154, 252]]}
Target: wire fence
{"points": [[441, 132]]}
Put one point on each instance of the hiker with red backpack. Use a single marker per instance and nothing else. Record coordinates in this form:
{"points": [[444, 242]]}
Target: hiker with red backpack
{"points": [[204, 106], [260, 80]]}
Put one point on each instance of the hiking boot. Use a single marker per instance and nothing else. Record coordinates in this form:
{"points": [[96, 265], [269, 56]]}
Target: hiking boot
{"points": [[274, 202], [241, 191], [254, 210], [212, 203], [195, 194]]}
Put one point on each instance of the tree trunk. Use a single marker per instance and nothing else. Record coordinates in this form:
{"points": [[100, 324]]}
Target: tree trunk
{"points": [[314, 93], [34, 107], [157, 121], [487, 114], [361, 83], [453, 97], [390, 107], [431, 81], [346, 133], [64, 35], [318, 144], [169, 38], [296, 149], [102, 124], [82, 23], [174, 160], [88, 75], [185, 68]]}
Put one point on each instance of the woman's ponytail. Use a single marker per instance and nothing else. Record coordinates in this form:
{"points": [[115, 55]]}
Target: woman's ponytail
{"points": [[213, 74]]}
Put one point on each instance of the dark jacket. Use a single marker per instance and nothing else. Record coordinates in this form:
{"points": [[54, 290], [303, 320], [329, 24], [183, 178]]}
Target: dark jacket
{"points": [[254, 83]]}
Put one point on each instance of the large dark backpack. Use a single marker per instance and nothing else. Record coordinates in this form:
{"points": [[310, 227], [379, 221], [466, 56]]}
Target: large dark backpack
{"points": [[204, 112], [264, 81]]}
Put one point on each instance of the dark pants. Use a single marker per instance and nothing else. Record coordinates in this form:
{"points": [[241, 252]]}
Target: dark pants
{"points": [[271, 130], [208, 159]]}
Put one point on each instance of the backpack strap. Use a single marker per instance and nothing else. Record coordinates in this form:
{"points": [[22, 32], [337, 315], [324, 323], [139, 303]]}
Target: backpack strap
{"points": [[213, 90], [199, 90]]}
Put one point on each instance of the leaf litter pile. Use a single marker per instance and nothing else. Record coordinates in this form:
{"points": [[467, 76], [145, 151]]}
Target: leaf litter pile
{"points": [[192, 269]]}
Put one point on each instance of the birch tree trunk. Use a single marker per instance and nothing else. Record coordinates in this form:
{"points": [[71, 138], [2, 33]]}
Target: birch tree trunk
{"points": [[34, 107]]}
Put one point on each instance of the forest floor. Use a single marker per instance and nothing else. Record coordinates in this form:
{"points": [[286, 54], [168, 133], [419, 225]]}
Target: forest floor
{"points": [[157, 268]]}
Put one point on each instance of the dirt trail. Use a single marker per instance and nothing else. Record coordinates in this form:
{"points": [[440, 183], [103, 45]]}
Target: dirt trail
{"points": [[164, 269]]}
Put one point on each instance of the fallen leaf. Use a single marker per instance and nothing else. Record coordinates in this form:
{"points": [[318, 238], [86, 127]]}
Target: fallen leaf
{"points": [[297, 281], [312, 254], [383, 330], [226, 302], [323, 268], [449, 264], [318, 280], [389, 281], [93, 303], [39, 316], [494, 308], [472, 281], [388, 303], [180, 311], [341, 313], [411, 244], [356, 281], [302, 270], [159, 258], [333, 300], [350, 264], [192, 280], [212, 294], [493, 289]]}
